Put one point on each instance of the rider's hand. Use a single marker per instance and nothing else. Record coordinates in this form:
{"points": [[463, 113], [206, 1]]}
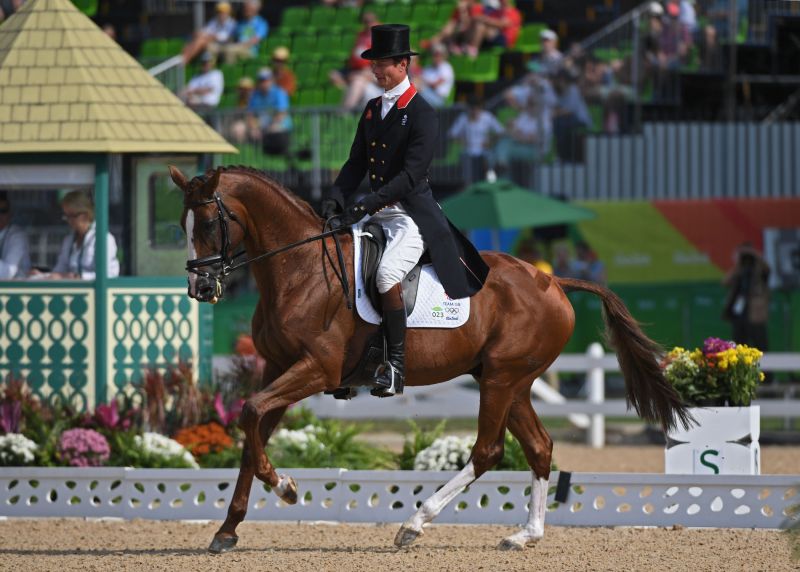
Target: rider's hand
{"points": [[329, 208], [352, 215]]}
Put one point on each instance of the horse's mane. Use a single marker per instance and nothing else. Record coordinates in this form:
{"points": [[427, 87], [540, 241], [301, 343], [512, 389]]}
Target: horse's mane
{"points": [[292, 198]]}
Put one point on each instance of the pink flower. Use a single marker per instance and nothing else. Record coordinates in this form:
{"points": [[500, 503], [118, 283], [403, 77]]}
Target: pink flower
{"points": [[107, 416], [713, 346], [226, 416], [83, 448]]}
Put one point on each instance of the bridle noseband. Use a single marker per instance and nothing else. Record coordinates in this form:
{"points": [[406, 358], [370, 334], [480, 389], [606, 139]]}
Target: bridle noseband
{"points": [[226, 262]]}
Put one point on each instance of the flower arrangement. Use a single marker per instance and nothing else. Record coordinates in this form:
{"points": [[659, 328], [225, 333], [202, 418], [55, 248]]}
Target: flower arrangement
{"points": [[721, 372], [83, 448], [16, 450], [168, 451], [204, 439], [449, 453]]}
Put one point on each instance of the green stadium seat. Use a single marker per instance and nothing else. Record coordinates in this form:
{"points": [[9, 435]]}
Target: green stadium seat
{"points": [[322, 16], [229, 100], [398, 13], [304, 44], [462, 67], [424, 14], [154, 48], [307, 74], [347, 18], [329, 42], [529, 41], [333, 96], [312, 96], [88, 7], [295, 18], [486, 68], [174, 46], [232, 74]]}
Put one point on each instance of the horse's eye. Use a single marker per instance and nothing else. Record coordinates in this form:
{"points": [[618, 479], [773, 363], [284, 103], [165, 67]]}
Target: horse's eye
{"points": [[209, 224]]}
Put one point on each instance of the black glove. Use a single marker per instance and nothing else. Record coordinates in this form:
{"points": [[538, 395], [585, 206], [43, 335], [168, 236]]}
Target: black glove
{"points": [[352, 215], [328, 208]]}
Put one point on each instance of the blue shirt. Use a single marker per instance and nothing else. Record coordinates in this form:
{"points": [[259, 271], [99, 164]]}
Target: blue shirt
{"points": [[267, 104], [254, 27]]}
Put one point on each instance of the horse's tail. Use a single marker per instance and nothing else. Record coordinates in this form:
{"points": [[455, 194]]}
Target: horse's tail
{"points": [[646, 388]]}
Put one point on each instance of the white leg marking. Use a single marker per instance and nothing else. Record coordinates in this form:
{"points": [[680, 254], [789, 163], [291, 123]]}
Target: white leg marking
{"points": [[534, 528], [431, 508], [190, 249]]}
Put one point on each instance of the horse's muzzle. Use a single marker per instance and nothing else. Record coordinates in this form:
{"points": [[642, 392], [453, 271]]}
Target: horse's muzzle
{"points": [[207, 289]]}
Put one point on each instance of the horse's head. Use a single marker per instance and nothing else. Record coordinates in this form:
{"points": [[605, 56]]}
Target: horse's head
{"points": [[211, 239]]}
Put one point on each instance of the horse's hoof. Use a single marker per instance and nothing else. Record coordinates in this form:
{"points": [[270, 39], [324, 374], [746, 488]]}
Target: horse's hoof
{"points": [[222, 544], [406, 537], [508, 544], [287, 489]]}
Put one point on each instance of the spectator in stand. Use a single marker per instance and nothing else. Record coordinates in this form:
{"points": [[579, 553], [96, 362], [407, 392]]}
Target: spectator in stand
{"points": [[571, 118], [250, 32], [218, 32], [535, 87], [456, 33], [529, 251], [204, 90], [357, 79], [675, 40], [497, 25], [562, 263], [435, 83], [587, 265], [15, 260], [110, 31], [551, 58], [284, 77], [526, 140], [244, 89], [710, 50], [76, 260], [747, 302], [688, 16], [476, 129], [267, 121]]}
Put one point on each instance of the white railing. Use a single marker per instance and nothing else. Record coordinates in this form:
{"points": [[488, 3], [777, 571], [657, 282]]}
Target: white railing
{"points": [[460, 398], [338, 495]]}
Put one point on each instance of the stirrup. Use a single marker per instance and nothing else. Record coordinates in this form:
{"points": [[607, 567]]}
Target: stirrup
{"points": [[394, 388]]}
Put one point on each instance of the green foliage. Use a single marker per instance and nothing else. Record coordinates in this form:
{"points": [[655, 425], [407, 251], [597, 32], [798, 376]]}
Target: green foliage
{"points": [[229, 458], [125, 452], [420, 439]]}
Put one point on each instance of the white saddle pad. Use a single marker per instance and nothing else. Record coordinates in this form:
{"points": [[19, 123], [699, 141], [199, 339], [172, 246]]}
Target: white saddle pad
{"points": [[433, 309]]}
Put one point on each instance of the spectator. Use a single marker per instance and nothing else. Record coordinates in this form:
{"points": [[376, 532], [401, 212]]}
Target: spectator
{"points": [[534, 88], [250, 32], [497, 25], [587, 265], [570, 119], [110, 31], [709, 49], [530, 252], [551, 58], [244, 89], [218, 32], [562, 263], [284, 77], [15, 260], [436, 81], [525, 141], [267, 121], [456, 33], [688, 16], [357, 79], [747, 302], [204, 90], [675, 39], [77, 257], [475, 129]]}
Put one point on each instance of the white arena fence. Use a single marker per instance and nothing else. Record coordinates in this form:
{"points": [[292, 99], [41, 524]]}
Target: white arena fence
{"points": [[460, 398], [339, 495]]}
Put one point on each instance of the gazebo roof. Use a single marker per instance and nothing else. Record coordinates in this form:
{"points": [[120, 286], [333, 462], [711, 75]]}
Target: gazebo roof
{"points": [[65, 86]]}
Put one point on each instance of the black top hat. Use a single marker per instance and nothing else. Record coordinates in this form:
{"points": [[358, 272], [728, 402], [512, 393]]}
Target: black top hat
{"points": [[389, 41]]}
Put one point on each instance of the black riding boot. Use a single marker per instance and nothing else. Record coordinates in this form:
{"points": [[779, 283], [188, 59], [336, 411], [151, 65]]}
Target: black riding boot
{"points": [[390, 377]]}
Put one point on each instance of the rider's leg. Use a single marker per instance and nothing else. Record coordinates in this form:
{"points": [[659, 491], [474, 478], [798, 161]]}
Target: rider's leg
{"points": [[391, 376]]}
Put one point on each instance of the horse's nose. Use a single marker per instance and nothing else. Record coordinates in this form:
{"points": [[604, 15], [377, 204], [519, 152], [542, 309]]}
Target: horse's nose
{"points": [[206, 289]]}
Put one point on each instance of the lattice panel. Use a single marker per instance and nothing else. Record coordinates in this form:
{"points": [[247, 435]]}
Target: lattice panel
{"points": [[47, 337], [608, 499], [149, 328]]}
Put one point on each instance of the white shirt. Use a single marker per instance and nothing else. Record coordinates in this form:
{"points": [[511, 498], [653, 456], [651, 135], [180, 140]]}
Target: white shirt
{"points": [[390, 97], [222, 32], [214, 80], [15, 259], [443, 73], [80, 259], [475, 134]]}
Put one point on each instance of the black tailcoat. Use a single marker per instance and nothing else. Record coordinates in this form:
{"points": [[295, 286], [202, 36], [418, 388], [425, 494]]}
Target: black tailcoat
{"points": [[395, 153]]}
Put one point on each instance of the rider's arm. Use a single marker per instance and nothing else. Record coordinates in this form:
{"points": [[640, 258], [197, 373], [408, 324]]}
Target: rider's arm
{"points": [[418, 156]]}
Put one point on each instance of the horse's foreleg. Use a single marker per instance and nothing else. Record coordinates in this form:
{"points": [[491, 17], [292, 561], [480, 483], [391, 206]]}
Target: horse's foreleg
{"points": [[225, 538], [537, 445], [488, 450], [304, 378]]}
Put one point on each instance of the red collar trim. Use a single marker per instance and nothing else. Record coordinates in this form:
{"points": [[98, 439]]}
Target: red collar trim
{"points": [[407, 96]]}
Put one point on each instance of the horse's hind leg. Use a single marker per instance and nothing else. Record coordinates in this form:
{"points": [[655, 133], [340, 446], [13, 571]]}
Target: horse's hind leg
{"points": [[537, 445], [225, 538], [487, 451]]}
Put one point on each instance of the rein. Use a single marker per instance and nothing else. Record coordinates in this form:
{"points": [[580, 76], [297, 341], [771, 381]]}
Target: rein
{"points": [[226, 262]]}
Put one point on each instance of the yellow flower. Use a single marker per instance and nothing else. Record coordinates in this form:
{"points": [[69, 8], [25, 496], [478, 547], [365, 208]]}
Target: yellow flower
{"points": [[760, 376]]}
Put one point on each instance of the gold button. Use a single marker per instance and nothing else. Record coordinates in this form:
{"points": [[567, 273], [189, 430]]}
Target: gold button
{"points": [[372, 159], [373, 143], [373, 176], [383, 145], [383, 162]]}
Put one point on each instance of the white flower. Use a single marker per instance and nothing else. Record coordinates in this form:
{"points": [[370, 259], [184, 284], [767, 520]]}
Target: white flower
{"points": [[15, 448], [159, 445], [445, 454], [298, 438]]}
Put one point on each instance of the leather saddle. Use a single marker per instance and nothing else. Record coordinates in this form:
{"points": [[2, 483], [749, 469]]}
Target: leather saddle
{"points": [[373, 244]]}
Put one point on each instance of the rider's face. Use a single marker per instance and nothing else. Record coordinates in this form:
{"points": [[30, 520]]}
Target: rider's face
{"points": [[387, 73]]}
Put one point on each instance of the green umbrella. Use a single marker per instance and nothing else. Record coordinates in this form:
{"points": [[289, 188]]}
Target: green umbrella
{"points": [[502, 204]]}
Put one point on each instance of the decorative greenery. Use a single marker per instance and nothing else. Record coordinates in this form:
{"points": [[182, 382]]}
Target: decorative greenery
{"points": [[719, 373], [83, 448]]}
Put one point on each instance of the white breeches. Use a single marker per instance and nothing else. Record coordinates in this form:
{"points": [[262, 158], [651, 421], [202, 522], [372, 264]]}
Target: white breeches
{"points": [[404, 246]]}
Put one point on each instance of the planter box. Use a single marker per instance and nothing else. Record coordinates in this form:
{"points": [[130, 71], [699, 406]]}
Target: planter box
{"points": [[724, 441]]}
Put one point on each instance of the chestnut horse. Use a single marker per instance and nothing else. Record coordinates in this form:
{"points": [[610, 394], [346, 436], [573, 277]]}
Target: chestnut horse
{"points": [[310, 337]]}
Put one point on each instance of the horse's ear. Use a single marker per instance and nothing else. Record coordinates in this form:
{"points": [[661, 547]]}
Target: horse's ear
{"points": [[178, 178], [211, 183]]}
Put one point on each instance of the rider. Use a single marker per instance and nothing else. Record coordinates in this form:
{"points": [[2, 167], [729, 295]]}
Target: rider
{"points": [[394, 144]]}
